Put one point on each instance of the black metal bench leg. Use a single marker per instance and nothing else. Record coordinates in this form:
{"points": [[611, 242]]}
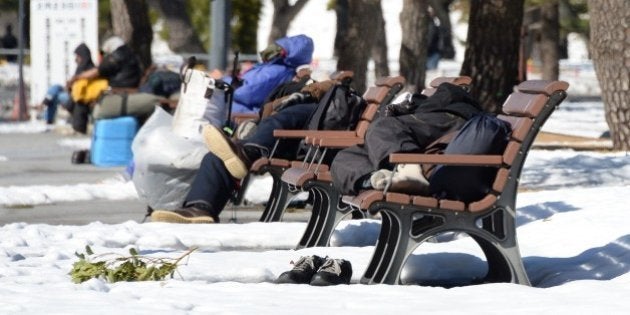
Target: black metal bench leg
{"points": [[325, 223], [274, 210], [329, 217], [505, 263], [326, 214], [380, 250], [398, 247], [396, 242], [318, 203]]}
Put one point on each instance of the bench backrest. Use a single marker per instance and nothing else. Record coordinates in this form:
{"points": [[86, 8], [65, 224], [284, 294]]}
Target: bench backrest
{"points": [[526, 110], [386, 88], [462, 81], [376, 96]]}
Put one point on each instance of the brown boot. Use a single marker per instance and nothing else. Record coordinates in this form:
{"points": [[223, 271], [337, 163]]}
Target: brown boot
{"points": [[232, 154], [183, 215]]}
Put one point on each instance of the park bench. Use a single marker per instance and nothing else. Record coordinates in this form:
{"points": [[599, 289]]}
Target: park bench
{"points": [[408, 220], [382, 93], [275, 166], [328, 210]]}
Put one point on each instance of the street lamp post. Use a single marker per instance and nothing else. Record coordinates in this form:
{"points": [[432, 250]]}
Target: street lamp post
{"points": [[220, 30], [21, 93]]}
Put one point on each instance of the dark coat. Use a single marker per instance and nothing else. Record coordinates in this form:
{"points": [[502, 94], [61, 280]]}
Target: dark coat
{"points": [[86, 62], [121, 68], [445, 111]]}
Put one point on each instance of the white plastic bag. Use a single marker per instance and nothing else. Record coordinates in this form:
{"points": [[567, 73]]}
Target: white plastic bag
{"points": [[194, 110], [165, 163]]}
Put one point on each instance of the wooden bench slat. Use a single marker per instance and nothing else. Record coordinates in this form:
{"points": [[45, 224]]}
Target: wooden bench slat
{"points": [[446, 159]]}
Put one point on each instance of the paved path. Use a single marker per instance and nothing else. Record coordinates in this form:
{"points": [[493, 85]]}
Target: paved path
{"points": [[40, 159], [551, 141]]}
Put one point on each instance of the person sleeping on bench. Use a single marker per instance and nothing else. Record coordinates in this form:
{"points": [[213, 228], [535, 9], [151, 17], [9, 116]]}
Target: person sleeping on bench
{"points": [[409, 125]]}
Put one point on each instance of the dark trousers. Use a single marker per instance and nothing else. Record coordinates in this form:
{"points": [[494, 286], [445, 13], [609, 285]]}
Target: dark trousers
{"points": [[80, 117], [213, 185], [386, 135], [293, 117]]}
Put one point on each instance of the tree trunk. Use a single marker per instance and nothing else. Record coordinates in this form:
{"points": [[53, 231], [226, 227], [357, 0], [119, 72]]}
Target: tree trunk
{"points": [[550, 40], [130, 19], [413, 49], [245, 29], [354, 51], [492, 49], [610, 44], [181, 33], [379, 50], [341, 10], [283, 15]]}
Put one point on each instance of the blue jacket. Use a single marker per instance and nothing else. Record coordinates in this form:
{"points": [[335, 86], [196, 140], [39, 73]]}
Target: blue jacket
{"points": [[259, 81]]}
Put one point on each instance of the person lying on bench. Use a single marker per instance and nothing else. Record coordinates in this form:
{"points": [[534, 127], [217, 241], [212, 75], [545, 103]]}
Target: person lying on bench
{"points": [[229, 160], [408, 125]]}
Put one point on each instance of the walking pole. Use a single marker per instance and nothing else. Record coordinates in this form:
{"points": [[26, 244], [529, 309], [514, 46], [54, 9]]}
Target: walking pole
{"points": [[229, 96]]}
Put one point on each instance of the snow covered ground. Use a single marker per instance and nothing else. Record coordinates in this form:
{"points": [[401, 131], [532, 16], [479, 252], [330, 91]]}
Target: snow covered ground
{"points": [[572, 226], [573, 218], [572, 230]]}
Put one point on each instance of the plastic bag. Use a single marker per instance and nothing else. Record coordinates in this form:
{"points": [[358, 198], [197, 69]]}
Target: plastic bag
{"points": [[165, 163], [200, 103]]}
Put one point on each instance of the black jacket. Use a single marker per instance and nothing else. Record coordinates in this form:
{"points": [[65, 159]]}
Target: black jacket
{"points": [[448, 98], [121, 68]]}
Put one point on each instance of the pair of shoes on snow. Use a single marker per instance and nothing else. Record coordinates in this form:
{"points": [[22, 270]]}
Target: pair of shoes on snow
{"points": [[318, 271]]}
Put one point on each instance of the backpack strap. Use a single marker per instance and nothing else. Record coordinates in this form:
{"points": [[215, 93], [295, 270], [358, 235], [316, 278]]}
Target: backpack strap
{"points": [[437, 147]]}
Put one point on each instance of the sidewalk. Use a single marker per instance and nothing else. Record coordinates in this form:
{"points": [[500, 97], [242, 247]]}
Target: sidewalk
{"points": [[38, 159], [555, 141]]}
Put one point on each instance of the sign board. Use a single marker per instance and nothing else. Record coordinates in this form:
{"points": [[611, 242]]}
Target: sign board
{"points": [[57, 28]]}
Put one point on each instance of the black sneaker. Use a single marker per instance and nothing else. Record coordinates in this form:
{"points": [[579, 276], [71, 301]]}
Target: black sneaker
{"points": [[303, 270], [333, 272], [80, 157]]}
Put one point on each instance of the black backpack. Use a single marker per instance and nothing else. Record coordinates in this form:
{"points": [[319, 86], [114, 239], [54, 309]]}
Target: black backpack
{"points": [[339, 109], [482, 134]]}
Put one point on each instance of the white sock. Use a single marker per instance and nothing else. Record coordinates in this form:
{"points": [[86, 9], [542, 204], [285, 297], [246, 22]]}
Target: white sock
{"points": [[407, 179]]}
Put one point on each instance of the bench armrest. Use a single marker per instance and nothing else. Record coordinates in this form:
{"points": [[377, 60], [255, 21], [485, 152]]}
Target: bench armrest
{"points": [[447, 159], [337, 143], [286, 133]]}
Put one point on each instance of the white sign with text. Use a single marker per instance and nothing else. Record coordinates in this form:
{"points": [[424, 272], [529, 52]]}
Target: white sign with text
{"points": [[57, 28]]}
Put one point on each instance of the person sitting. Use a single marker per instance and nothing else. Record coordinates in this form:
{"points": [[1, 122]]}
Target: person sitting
{"points": [[9, 41], [407, 127], [58, 95], [229, 159], [121, 67], [279, 63], [276, 99]]}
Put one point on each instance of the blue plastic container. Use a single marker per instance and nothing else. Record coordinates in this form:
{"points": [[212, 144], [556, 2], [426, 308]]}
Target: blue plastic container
{"points": [[111, 141]]}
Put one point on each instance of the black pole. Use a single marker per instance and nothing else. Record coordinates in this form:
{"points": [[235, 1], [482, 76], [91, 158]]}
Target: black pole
{"points": [[22, 94]]}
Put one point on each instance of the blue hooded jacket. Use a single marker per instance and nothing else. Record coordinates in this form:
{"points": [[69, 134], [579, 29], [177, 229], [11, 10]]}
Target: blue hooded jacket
{"points": [[259, 81]]}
